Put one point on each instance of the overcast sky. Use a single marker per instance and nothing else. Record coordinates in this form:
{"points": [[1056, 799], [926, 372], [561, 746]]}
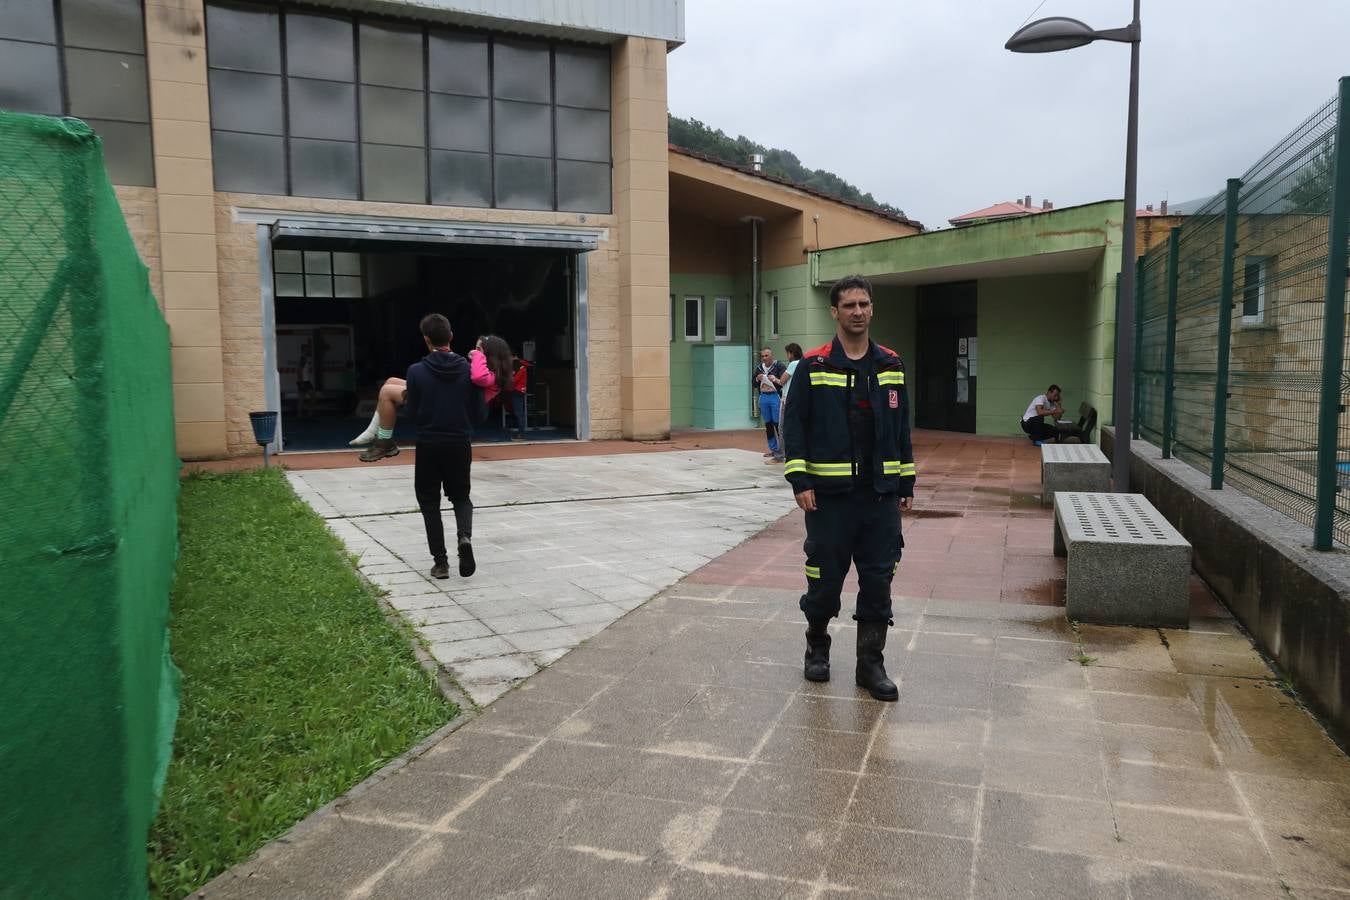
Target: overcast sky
{"points": [[917, 102]]}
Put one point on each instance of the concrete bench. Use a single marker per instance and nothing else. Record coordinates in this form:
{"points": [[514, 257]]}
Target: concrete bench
{"points": [[1073, 467], [1127, 565]]}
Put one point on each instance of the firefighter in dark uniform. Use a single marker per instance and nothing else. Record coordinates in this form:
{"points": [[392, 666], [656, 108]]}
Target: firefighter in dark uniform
{"points": [[851, 466]]}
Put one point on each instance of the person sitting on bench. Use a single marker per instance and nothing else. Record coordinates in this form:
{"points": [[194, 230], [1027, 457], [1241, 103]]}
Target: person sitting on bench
{"points": [[1042, 405]]}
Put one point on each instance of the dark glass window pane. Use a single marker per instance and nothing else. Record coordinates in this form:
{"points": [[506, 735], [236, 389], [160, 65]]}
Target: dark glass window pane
{"points": [[392, 116], [319, 47], [347, 263], [583, 134], [524, 183], [290, 285], [27, 20], [583, 186], [103, 24], [1251, 289], [692, 314], [126, 150], [524, 129], [243, 101], [722, 319], [107, 85], [460, 179], [30, 78], [520, 71], [323, 169], [323, 109], [458, 63], [248, 163], [460, 123], [396, 174], [318, 262], [391, 55], [287, 261], [240, 36], [346, 286], [583, 77]]}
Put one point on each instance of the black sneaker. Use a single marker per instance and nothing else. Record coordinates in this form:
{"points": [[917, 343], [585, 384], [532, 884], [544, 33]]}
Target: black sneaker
{"points": [[379, 449], [466, 564], [441, 569]]}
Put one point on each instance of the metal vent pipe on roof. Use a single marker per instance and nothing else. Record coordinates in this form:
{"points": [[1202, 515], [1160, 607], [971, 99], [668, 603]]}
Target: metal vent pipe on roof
{"points": [[757, 162]]}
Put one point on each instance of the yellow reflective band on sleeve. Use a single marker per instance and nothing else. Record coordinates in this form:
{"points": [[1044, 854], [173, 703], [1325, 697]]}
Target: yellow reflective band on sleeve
{"points": [[794, 465], [813, 571], [890, 378], [829, 469], [829, 379], [895, 467], [907, 470]]}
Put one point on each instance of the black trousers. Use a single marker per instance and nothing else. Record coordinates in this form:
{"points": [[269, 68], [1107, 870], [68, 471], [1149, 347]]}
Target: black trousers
{"points": [[1039, 430], [861, 527], [443, 466]]}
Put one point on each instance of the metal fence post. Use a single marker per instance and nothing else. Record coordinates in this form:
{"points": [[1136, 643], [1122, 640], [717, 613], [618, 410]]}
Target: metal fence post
{"points": [[1333, 329], [1170, 353], [1138, 340], [1218, 455]]}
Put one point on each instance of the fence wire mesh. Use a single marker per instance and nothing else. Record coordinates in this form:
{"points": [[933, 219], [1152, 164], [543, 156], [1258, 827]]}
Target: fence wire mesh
{"points": [[1279, 283], [89, 483]]}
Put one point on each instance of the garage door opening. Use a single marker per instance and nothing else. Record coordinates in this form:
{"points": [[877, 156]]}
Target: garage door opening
{"points": [[346, 318]]}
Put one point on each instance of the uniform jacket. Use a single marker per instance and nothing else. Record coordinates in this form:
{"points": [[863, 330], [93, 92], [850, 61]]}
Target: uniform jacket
{"points": [[820, 452]]}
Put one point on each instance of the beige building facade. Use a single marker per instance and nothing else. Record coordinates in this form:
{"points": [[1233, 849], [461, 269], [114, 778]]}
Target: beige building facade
{"points": [[551, 155]]}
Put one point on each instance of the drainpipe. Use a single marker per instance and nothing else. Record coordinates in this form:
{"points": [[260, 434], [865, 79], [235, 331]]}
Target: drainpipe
{"points": [[754, 305]]}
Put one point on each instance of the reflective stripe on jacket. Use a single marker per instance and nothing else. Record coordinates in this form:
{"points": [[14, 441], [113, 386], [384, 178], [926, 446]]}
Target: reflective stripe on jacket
{"points": [[819, 445]]}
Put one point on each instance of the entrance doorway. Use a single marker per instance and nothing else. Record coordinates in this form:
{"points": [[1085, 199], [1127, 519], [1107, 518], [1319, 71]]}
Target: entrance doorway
{"points": [[347, 315], [948, 356]]}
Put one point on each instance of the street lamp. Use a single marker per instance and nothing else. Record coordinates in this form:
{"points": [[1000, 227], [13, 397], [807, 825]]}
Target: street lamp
{"points": [[1062, 33]]}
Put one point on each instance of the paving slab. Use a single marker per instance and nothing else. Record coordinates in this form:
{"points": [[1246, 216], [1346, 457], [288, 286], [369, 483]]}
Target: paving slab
{"points": [[679, 753]]}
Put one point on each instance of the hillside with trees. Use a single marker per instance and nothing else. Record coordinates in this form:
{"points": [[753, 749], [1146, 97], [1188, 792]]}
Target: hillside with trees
{"points": [[691, 134]]}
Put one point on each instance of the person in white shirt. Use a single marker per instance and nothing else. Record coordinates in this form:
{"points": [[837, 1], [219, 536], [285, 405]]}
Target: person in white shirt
{"points": [[1042, 405]]}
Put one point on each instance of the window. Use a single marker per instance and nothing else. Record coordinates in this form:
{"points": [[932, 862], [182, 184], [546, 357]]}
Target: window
{"points": [[383, 110], [672, 318], [1254, 290], [773, 315], [722, 319], [693, 318], [317, 274], [82, 58]]}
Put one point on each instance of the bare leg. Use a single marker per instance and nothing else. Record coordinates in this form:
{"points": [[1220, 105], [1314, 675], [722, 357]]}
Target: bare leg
{"points": [[392, 395]]}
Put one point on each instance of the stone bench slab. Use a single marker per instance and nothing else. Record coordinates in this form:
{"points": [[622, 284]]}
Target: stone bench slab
{"points": [[1073, 467], [1127, 565]]}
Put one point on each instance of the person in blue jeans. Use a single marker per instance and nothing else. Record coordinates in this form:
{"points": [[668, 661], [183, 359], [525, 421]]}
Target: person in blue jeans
{"points": [[768, 381]]}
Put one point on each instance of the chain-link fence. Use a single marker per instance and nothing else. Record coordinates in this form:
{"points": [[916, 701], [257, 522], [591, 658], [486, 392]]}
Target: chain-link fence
{"points": [[89, 484], [1236, 313]]}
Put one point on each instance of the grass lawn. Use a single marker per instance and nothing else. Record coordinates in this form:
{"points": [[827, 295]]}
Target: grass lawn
{"points": [[294, 688]]}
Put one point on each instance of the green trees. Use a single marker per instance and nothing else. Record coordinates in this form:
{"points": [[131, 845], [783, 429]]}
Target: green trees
{"points": [[691, 134]]}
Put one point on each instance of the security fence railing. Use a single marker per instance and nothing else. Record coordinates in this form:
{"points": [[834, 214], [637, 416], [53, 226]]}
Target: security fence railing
{"points": [[1240, 335]]}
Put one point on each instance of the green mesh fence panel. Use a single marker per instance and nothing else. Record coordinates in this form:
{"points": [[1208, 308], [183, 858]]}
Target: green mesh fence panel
{"points": [[89, 481], [1275, 348]]}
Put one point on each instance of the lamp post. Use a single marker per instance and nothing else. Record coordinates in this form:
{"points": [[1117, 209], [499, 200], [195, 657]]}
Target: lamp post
{"points": [[1061, 33]]}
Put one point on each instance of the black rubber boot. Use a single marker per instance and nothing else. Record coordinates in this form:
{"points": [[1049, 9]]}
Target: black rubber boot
{"points": [[871, 672], [817, 652]]}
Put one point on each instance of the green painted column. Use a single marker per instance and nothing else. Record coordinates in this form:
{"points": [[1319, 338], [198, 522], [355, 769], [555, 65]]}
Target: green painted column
{"points": [[1219, 454], [1138, 340], [1333, 330], [1170, 353]]}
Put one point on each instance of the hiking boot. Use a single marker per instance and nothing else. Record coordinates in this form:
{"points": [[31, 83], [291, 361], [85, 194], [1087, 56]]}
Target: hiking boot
{"points": [[817, 666], [441, 569], [871, 672], [379, 449], [466, 564]]}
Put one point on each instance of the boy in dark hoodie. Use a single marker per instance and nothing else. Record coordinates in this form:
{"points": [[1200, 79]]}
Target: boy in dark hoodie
{"points": [[446, 406]]}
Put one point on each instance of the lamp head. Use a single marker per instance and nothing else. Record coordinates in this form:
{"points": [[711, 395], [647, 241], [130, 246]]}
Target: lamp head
{"points": [[1050, 35]]}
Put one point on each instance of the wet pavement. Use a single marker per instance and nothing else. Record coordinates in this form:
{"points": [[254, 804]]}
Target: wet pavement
{"points": [[679, 753]]}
